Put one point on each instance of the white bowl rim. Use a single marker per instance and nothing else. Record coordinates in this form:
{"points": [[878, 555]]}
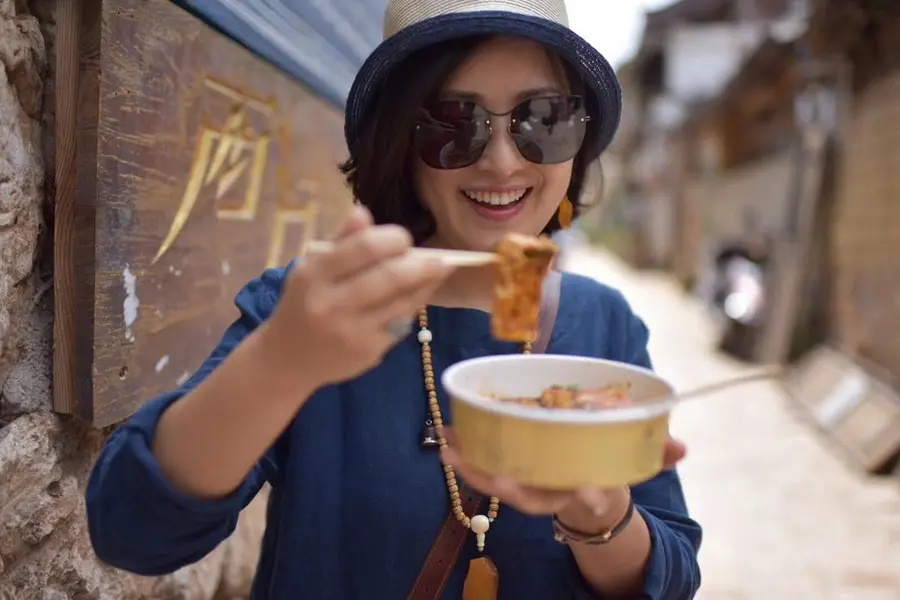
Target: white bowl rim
{"points": [[625, 414]]}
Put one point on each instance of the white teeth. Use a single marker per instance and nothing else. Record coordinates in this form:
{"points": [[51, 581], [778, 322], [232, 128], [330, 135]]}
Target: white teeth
{"points": [[496, 198]]}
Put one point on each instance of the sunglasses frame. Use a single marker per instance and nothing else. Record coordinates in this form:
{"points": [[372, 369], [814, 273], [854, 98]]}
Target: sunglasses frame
{"points": [[586, 118]]}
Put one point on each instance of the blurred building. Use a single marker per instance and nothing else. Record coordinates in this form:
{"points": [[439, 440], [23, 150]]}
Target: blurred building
{"points": [[689, 52], [768, 129]]}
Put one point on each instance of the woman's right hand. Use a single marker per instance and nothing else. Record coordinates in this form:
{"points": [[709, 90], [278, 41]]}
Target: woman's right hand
{"points": [[331, 322]]}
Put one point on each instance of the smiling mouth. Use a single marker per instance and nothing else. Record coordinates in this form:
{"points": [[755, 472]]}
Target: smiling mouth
{"points": [[497, 200]]}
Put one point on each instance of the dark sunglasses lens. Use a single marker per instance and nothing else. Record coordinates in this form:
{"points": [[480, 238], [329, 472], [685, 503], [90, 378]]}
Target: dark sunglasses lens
{"points": [[549, 130], [452, 134]]}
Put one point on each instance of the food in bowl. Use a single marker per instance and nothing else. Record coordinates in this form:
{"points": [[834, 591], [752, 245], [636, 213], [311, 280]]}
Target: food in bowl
{"points": [[524, 262], [502, 428], [614, 395]]}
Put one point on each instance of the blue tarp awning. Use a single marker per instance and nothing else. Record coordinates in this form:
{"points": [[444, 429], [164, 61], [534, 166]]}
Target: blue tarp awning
{"points": [[322, 43]]}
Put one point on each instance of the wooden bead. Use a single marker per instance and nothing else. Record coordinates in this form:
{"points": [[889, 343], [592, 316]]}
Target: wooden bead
{"points": [[479, 523]]}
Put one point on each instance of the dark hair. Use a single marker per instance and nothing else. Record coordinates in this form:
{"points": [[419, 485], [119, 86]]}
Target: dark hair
{"points": [[379, 169]]}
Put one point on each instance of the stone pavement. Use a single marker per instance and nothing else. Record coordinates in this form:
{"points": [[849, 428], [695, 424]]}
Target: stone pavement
{"points": [[784, 518]]}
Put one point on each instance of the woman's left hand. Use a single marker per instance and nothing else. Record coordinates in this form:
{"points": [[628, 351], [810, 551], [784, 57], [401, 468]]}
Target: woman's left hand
{"points": [[572, 506]]}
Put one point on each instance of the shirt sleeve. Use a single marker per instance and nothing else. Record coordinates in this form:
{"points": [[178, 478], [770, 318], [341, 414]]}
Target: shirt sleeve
{"points": [[137, 520], [672, 571]]}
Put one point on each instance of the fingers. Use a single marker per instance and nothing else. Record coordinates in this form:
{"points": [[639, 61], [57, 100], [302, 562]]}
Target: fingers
{"points": [[400, 281], [369, 271], [536, 501], [533, 501], [360, 250], [359, 219], [405, 305], [673, 453], [528, 500]]}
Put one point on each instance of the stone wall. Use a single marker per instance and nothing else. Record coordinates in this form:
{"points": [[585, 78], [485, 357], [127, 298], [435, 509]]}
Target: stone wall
{"points": [[45, 553]]}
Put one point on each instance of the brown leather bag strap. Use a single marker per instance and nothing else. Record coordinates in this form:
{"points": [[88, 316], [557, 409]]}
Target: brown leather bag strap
{"points": [[445, 551], [449, 543]]}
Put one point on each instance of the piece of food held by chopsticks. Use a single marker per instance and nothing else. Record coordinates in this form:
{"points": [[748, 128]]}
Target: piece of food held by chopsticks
{"points": [[523, 263], [520, 263]]}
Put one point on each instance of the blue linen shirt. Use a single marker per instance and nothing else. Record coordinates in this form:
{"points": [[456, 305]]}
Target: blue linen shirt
{"points": [[356, 502]]}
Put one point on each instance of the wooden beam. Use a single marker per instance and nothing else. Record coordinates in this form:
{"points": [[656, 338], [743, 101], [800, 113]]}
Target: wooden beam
{"points": [[68, 26], [76, 98]]}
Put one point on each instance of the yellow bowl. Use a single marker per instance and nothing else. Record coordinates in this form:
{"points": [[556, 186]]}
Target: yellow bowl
{"points": [[557, 448]]}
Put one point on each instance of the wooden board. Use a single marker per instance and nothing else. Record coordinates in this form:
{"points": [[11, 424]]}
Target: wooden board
{"points": [[851, 404], [186, 166]]}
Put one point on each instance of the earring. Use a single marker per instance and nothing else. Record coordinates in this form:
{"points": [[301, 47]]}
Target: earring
{"points": [[564, 214]]}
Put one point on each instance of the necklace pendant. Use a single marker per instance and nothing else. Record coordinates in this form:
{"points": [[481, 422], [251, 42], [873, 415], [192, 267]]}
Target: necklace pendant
{"points": [[429, 437], [482, 580], [479, 526]]}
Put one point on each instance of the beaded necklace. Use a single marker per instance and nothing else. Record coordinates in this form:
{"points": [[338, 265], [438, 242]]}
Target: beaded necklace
{"points": [[479, 524]]}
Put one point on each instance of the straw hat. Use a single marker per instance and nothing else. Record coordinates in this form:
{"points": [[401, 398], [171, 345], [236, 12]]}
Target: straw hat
{"points": [[411, 25]]}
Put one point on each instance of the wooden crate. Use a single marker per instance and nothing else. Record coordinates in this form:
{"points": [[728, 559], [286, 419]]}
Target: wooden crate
{"points": [[853, 404]]}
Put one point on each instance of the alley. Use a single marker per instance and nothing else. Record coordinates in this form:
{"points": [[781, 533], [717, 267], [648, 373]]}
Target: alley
{"points": [[784, 518]]}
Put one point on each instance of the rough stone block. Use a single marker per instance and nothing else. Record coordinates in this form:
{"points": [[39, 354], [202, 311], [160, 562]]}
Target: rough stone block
{"points": [[45, 552]]}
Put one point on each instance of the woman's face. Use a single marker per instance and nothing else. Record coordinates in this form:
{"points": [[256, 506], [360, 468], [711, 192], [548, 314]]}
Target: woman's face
{"points": [[474, 207]]}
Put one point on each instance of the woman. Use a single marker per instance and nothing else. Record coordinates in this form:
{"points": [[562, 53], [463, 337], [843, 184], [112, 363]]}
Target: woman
{"points": [[462, 126]]}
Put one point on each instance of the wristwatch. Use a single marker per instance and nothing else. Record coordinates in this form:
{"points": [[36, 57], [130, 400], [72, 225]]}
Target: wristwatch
{"points": [[565, 535]]}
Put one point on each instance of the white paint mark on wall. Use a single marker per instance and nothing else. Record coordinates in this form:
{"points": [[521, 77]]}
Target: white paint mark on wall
{"points": [[161, 363], [226, 268], [131, 303]]}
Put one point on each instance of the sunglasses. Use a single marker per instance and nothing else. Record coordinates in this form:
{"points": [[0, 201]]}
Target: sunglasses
{"points": [[452, 134]]}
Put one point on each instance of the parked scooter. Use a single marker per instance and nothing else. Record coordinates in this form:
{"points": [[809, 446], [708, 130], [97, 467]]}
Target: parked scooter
{"points": [[741, 298]]}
